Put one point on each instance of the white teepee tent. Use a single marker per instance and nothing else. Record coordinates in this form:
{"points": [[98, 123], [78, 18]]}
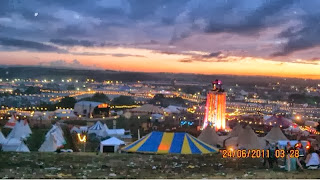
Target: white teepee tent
{"points": [[275, 135], [209, 136], [15, 145], [57, 133], [20, 130], [22, 148], [49, 145], [11, 123], [236, 131], [249, 140]]}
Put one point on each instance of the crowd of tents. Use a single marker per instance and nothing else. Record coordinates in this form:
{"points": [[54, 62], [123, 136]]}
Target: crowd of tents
{"points": [[154, 142], [242, 137], [20, 131]]}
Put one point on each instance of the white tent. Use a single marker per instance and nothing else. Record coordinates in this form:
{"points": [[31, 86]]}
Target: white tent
{"points": [[2, 138], [275, 135], [49, 145], [15, 145], [236, 131], [75, 129], [22, 148], [20, 130], [249, 140], [57, 132], [13, 141], [99, 129], [111, 145], [209, 136], [115, 132], [11, 123]]}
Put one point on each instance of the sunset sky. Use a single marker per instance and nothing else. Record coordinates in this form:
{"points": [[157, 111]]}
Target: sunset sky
{"points": [[247, 37]]}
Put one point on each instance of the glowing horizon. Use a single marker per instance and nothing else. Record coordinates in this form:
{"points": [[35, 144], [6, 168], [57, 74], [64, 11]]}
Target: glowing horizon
{"points": [[150, 61]]}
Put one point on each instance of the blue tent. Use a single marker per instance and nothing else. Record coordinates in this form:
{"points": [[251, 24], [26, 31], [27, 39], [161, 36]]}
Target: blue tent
{"points": [[170, 143]]}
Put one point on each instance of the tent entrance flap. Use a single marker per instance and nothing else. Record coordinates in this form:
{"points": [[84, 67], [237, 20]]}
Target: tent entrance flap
{"points": [[108, 148]]}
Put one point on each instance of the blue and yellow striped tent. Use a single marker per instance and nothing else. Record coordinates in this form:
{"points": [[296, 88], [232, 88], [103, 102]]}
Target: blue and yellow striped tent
{"points": [[170, 143]]}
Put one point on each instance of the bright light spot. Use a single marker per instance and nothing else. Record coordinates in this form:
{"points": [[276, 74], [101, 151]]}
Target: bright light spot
{"points": [[36, 14]]}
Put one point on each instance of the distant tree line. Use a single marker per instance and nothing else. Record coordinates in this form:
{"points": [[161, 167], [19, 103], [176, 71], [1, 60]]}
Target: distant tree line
{"points": [[303, 99], [161, 100]]}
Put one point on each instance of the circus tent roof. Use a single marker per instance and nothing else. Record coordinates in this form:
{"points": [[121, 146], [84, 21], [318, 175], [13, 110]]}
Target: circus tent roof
{"points": [[99, 129], [279, 121], [169, 143]]}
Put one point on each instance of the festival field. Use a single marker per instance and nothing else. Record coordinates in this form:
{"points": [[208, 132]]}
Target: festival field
{"points": [[90, 165]]}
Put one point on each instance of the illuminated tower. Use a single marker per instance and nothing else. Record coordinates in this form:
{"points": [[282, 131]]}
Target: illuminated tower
{"points": [[215, 107]]}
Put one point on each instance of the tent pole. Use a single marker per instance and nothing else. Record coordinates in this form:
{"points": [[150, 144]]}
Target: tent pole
{"points": [[138, 133]]}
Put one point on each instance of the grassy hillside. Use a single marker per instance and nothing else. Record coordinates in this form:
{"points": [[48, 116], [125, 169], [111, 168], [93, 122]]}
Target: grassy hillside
{"points": [[90, 165]]}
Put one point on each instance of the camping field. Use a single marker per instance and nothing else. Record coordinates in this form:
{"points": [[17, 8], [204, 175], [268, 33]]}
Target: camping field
{"points": [[90, 165]]}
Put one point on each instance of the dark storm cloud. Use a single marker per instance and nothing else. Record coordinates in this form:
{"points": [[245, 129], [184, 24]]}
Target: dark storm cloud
{"points": [[211, 57], [251, 22], [74, 64], [303, 37], [126, 55], [24, 44], [73, 42], [213, 54], [108, 54]]}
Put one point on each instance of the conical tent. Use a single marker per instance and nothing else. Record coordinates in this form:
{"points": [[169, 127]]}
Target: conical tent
{"points": [[57, 133], [99, 129], [2, 138], [15, 145], [20, 130], [11, 123], [49, 145], [170, 143], [209, 136], [249, 140], [236, 131], [22, 148], [275, 135]]}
